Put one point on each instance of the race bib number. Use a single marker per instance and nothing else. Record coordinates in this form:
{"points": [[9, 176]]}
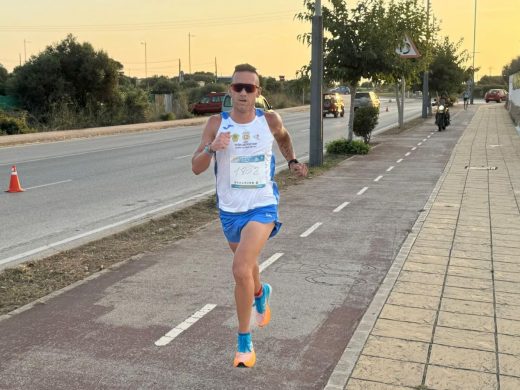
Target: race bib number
{"points": [[248, 172]]}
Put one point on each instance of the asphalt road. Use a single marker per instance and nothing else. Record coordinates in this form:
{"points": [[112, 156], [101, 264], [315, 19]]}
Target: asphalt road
{"points": [[83, 189]]}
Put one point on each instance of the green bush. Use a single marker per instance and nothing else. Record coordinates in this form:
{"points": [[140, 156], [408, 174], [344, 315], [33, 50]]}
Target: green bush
{"points": [[13, 124], [342, 146], [167, 116], [365, 120]]}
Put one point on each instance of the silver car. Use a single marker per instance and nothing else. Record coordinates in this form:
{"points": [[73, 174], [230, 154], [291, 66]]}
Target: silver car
{"points": [[366, 99], [261, 102]]}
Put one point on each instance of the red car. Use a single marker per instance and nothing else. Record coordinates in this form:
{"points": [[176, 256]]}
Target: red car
{"points": [[209, 104], [498, 95]]}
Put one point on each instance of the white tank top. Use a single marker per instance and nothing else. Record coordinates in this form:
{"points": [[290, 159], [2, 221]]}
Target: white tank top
{"points": [[245, 169]]}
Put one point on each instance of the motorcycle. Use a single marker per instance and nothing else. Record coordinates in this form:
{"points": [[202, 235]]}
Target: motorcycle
{"points": [[442, 117]]}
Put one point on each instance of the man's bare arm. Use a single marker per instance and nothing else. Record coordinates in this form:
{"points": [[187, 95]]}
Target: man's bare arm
{"points": [[201, 159], [284, 141]]}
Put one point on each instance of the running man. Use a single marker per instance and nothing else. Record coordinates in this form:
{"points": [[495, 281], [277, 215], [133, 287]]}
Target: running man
{"points": [[241, 142]]}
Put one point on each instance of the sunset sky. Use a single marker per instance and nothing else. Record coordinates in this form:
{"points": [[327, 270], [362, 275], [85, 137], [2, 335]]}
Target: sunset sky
{"points": [[263, 33]]}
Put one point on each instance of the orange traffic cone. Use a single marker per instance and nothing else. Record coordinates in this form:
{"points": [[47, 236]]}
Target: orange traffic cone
{"points": [[14, 185]]}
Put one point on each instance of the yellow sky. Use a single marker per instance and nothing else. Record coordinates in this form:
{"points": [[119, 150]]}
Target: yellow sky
{"points": [[262, 33]]}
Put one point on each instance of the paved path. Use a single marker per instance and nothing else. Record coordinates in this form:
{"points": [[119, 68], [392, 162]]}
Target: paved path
{"points": [[452, 318]]}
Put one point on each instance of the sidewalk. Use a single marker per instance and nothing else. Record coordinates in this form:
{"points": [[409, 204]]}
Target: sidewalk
{"points": [[448, 313]]}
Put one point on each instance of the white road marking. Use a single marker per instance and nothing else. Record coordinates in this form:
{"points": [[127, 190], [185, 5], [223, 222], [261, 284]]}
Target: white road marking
{"points": [[362, 191], [47, 185], [425, 139], [103, 228], [429, 136], [340, 207], [378, 178], [415, 147], [311, 229], [419, 144], [398, 161], [168, 337], [270, 261], [390, 168], [188, 155], [407, 154]]}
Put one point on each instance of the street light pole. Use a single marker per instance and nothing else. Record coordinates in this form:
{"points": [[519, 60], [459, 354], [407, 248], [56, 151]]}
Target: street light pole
{"points": [[145, 61], [316, 123], [473, 66], [426, 87]]}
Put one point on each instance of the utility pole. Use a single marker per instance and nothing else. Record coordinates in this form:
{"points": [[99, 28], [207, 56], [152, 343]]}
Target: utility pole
{"points": [[426, 87], [316, 123], [145, 62], [25, 42], [473, 67], [189, 51], [216, 73]]}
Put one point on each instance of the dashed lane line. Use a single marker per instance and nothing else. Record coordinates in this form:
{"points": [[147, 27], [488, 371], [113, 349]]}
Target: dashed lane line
{"points": [[407, 154], [270, 261], [414, 148], [172, 334], [311, 229], [378, 178], [362, 191], [419, 144], [398, 161], [390, 168], [340, 207]]}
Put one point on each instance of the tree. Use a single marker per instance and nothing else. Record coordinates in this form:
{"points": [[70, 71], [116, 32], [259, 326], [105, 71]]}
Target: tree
{"points": [[408, 18], [358, 43], [3, 79], [510, 69], [447, 73], [68, 73]]}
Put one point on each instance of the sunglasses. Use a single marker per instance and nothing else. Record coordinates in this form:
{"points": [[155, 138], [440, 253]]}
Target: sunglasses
{"points": [[250, 88]]}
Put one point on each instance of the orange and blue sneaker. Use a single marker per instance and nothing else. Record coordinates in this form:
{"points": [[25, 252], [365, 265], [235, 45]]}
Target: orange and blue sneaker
{"points": [[263, 311], [245, 356]]}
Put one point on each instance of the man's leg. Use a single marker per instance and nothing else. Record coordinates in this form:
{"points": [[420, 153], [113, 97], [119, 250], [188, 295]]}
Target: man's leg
{"points": [[246, 270]]}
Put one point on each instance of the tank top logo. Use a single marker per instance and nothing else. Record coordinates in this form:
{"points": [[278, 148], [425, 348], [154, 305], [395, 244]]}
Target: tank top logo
{"points": [[235, 137], [246, 136]]}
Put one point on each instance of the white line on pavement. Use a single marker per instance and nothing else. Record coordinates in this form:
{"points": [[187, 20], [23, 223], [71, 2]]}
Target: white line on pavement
{"points": [[311, 229], [390, 168], [340, 207], [168, 337], [429, 136], [415, 147], [362, 191], [50, 184], [425, 139], [398, 161], [378, 178], [408, 153], [188, 155], [419, 144], [270, 261]]}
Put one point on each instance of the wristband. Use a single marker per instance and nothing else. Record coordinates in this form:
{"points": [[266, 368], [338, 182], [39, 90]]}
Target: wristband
{"points": [[208, 150], [291, 162]]}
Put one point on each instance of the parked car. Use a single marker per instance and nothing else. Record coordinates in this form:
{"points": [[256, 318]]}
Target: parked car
{"points": [[341, 89], [209, 104], [498, 95], [261, 102], [366, 99], [333, 104]]}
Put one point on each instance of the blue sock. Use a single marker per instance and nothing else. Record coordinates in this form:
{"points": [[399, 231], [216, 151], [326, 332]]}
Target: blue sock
{"points": [[245, 344]]}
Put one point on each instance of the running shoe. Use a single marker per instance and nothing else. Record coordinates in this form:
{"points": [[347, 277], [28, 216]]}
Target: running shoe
{"points": [[263, 311], [245, 356]]}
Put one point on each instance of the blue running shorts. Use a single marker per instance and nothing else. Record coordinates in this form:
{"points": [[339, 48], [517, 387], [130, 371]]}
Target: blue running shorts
{"points": [[233, 223]]}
